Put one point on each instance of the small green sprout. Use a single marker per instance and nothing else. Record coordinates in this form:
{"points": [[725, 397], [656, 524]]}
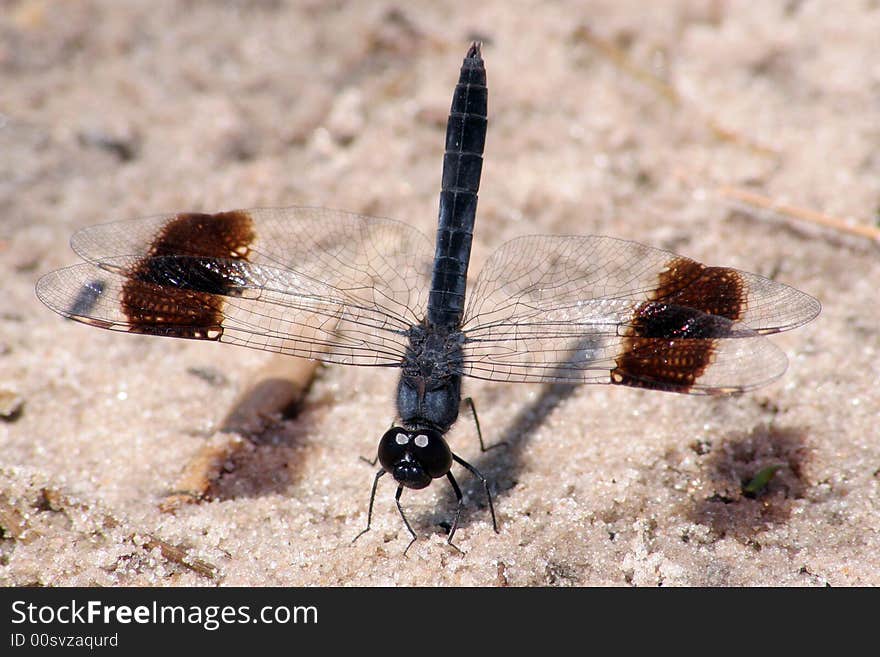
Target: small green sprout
{"points": [[760, 480]]}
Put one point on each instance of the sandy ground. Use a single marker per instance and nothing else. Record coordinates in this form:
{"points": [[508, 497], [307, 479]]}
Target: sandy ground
{"points": [[114, 110]]}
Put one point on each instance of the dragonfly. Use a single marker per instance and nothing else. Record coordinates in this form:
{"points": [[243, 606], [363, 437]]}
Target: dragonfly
{"points": [[365, 291]]}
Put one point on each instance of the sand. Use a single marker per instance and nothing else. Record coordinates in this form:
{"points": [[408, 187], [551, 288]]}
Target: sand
{"points": [[605, 118]]}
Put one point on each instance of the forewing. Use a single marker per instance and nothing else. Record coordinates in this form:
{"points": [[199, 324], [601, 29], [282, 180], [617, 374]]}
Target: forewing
{"points": [[308, 282]]}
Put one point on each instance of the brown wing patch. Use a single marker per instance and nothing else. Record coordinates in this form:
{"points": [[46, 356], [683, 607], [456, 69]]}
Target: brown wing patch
{"points": [[671, 339], [221, 235], [713, 290], [670, 365], [182, 296]]}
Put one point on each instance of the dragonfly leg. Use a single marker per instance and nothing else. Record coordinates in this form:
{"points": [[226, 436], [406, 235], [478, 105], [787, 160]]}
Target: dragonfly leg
{"points": [[405, 521], [479, 476], [372, 499], [460, 498], [470, 402]]}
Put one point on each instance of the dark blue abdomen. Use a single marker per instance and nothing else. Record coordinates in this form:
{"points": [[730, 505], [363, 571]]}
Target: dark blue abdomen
{"points": [[462, 165]]}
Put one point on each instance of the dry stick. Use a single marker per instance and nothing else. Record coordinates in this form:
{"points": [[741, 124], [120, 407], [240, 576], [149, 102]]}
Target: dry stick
{"points": [[202, 470], [800, 214], [279, 385], [180, 556], [666, 91]]}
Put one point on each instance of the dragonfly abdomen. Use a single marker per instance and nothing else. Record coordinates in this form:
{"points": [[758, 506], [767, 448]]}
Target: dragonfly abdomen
{"points": [[462, 165]]}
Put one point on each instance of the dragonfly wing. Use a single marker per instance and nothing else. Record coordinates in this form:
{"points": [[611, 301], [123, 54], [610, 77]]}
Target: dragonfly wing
{"points": [[603, 310], [307, 282]]}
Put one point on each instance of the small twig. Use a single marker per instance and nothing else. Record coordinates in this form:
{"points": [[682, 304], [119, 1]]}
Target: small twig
{"points": [[762, 202], [180, 556]]}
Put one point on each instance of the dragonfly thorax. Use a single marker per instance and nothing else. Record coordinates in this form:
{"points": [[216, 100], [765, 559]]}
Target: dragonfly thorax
{"points": [[434, 353], [429, 392]]}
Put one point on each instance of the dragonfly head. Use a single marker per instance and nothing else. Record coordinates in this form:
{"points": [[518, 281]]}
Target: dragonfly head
{"points": [[414, 457]]}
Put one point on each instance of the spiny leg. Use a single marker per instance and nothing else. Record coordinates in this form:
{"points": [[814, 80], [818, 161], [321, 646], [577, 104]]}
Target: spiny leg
{"points": [[470, 402], [370, 510], [479, 476], [459, 497], [405, 521]]}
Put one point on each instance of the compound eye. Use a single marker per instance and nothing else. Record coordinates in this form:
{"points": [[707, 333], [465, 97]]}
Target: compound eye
{"points": [[432, 452], [393, 446]]}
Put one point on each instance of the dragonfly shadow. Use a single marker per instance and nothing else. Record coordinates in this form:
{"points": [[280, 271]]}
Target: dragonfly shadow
{"points": [[502, 464], [503, 461]]}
